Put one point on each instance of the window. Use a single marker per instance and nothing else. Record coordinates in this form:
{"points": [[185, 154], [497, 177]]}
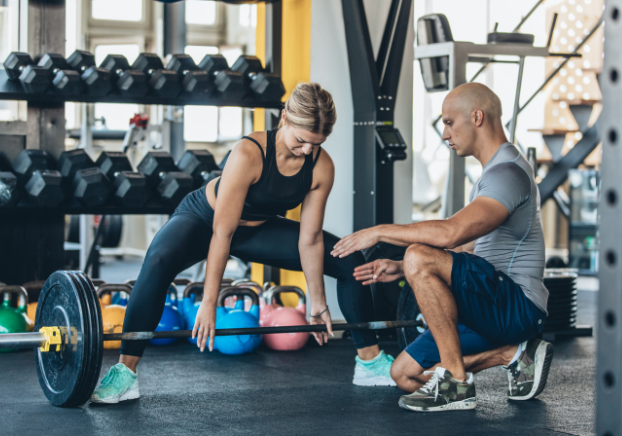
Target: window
{"points": [[248, 15], [211, 124], [116, 115], [201, 12], [117, 10]]}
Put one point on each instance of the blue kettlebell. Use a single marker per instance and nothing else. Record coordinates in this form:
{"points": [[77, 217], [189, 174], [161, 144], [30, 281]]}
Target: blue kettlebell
{"points": [[171, 318], [189, 305], [237, 318]]}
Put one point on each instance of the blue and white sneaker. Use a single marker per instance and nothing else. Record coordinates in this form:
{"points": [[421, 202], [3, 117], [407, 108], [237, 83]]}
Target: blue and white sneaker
{"points": [[375, 372], [120, 384]]}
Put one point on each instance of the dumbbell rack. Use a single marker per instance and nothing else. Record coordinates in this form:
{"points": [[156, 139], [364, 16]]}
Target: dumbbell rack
{"points": [[11, 90]]}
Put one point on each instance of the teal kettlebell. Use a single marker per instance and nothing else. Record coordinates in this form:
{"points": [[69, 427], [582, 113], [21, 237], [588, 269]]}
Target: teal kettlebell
{"points": [[237, 317], [14, 320]]}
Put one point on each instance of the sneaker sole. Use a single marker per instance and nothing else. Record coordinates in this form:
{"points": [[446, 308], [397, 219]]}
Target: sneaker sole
{"points": [[132, 394], [468, 404], [374, 381], [544, 357]]}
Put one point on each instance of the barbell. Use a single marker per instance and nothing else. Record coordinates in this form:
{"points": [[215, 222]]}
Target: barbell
{"points": [[68, 337]]}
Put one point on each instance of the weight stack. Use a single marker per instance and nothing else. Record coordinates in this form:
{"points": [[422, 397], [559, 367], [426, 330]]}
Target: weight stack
{"points": [[562, 304]]}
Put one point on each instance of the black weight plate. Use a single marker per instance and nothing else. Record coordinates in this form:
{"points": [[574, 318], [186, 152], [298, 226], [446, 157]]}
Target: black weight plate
{"points": [[408, 309], [96, 336], [557, 303], [61, 373]]}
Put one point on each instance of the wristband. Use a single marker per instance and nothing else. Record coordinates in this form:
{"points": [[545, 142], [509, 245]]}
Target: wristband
{"points": [[319, 314]]}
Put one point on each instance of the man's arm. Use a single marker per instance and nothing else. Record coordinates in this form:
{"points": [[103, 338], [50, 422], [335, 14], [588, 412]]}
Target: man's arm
{"points": [[477, 219]]}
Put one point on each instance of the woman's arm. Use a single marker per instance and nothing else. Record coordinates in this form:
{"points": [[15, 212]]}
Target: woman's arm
{"points": [[242, 170], [311, 242]]}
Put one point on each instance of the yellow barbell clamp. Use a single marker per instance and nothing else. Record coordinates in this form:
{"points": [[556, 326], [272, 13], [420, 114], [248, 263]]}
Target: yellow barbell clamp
{"points": [[52, 338]]}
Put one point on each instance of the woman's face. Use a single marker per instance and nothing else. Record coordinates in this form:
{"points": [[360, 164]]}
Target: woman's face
{"points": [[300, 142]]}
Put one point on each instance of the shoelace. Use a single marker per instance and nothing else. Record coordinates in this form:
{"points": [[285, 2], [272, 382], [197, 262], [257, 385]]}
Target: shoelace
{"points": [[432, 384], [513, 373]]}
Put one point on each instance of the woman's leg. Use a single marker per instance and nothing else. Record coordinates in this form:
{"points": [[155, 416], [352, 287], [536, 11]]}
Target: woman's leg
{"points": [[182, 242], [275, 243]]}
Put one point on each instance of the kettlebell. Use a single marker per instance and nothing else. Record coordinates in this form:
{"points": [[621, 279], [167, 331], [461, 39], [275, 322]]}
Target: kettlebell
{"points": [[14, 320], [273, 315], [113, 315], [181, 282], [171, 318], [33, 289], [245, 283], [237, 318]]}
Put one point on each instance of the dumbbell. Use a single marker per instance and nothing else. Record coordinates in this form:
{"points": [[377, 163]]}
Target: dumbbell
{"points": [[225, 83], [43, 185], [34, 79], [96, 80], [129, 82], [171, 184], [9, 191], [163, 82], [264, 85], [82, 179], [129, 188], [193, 80], [64, 80], [200, 164]]}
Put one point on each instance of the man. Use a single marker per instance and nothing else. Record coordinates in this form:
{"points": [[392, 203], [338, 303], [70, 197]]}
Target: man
{"points": [[482, 309]]}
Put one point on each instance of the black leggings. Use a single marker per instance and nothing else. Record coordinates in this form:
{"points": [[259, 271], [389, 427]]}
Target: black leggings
{"points": [[184, 241]]}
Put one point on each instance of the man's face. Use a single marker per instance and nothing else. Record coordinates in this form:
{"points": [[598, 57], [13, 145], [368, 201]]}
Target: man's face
{"points": [[459, 131]]}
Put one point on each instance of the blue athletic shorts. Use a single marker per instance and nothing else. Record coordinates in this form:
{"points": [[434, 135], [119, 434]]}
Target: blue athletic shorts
{"points": [[492, 311]]}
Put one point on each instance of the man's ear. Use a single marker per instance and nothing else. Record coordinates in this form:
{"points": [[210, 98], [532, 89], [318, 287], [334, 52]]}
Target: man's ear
{"points": [[478, 117]]}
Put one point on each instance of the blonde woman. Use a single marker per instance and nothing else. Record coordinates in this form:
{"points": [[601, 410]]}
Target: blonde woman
{"points": [[238, 214]]}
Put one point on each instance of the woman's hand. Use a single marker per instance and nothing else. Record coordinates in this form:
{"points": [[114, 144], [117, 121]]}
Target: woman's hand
{"points": [[205, 325], [322, 337], [381, 270]]}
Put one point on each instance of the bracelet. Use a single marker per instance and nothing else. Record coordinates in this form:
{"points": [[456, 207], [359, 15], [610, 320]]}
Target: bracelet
{"points": [[319, 314]]}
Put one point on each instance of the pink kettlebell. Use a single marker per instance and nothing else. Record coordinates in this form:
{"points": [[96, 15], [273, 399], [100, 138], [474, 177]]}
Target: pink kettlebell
{"points": [[273, 315]]}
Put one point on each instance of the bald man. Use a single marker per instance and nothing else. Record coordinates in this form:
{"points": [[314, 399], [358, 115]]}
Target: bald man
{"points": [[477, 276]]}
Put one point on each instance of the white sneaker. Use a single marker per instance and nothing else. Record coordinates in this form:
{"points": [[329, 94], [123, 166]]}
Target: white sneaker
{"points": [[375, 372]]}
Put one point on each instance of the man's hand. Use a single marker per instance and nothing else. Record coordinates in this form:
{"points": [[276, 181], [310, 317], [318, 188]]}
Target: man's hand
{"points": [[381, 270], [355, 242]]}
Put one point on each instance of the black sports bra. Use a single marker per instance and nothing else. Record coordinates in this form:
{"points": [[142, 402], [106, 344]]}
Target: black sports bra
{"points": [[274, 193]]}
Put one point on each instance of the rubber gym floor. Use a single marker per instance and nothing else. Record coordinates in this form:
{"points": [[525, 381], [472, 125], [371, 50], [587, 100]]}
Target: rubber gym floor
{"points": [[308, 392]]}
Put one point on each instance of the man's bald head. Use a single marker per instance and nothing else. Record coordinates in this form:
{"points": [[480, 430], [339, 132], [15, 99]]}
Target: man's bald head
{"points": [[472, 96], [472, 118]]}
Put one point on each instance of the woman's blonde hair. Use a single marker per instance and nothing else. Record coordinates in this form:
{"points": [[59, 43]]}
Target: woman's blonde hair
{"points": [[311, 108]]}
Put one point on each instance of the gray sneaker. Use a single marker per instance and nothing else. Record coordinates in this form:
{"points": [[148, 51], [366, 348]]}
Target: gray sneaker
{"points": [[442, 393], [527, 376]]}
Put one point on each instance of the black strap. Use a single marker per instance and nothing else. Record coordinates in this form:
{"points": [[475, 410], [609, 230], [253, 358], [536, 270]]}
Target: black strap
{"points": [[258, 144], [317, 156]]}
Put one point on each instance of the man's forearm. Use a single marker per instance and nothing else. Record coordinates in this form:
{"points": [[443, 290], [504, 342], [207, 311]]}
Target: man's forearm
{"points": [[436, 233]]}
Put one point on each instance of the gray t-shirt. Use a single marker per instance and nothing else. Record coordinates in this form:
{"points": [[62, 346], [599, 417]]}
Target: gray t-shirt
{"points": [[516, 247]]}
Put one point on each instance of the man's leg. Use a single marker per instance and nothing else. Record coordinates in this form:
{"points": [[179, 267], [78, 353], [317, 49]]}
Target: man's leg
{"points": [[408, 374], [428, 271]]}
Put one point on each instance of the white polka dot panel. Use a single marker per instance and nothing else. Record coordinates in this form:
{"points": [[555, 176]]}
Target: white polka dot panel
{"points": [[576, 83]]}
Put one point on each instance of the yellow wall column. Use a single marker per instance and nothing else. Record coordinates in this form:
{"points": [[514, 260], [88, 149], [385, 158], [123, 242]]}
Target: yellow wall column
{"points": [[295, 68]]}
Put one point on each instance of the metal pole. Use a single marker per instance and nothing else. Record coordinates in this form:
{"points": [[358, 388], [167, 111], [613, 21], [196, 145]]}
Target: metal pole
{"points": [[519, 82], [609, 350]]}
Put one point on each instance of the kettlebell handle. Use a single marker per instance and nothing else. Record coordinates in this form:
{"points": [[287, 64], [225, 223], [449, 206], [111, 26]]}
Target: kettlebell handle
{"points": [[34, 285], [96, 282], [234, 290], [4, 289], [196, 288], [181, 282], [109, 288], [244, 283], [274, 290]]}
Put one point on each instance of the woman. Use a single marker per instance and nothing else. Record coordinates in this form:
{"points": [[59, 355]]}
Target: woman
{"points": [[266, 173]]}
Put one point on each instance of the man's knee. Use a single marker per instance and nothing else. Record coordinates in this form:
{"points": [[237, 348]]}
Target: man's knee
{"points": [[418, 260], [404, 370]]}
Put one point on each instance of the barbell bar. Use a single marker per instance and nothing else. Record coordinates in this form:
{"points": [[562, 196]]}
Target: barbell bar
{"points": [[68, 337], [39, 340]]}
